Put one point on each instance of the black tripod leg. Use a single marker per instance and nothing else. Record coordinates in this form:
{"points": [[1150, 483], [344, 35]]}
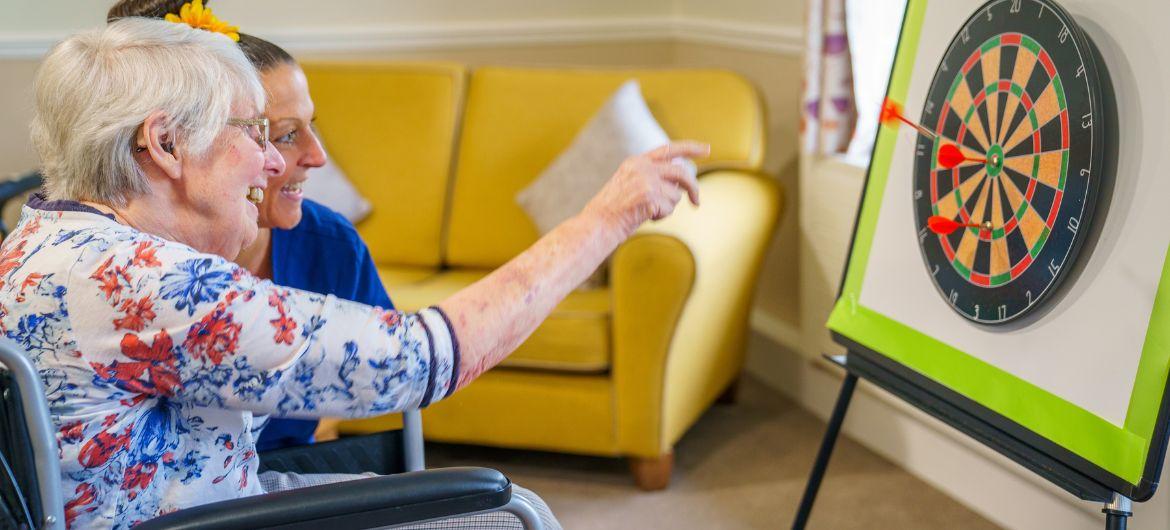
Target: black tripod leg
{"points": [[826, 451], [1117, 512]]}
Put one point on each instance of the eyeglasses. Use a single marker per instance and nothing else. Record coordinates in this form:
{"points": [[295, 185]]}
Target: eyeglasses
{"points": [[260, 123]]}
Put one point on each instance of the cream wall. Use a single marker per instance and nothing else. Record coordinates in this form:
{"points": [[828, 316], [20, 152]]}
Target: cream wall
{"points": [[759, 39], [55, 16], [764, 12]]}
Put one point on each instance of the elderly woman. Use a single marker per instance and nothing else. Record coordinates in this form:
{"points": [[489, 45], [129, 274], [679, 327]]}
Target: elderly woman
{"points": [[156, 350], [300, 243]]}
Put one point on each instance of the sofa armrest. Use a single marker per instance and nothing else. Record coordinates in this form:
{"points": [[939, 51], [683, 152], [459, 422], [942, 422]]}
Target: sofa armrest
{"points": [[682, 291], [365, 503]]}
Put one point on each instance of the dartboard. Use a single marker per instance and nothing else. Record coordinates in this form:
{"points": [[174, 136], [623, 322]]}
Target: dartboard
{"points": [[1020, 93]]}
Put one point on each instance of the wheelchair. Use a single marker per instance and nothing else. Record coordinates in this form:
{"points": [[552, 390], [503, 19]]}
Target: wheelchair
{"points": [[31, 495]]}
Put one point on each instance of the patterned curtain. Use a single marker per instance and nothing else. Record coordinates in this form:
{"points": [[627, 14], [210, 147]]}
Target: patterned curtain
{"points": [[829, 114]]}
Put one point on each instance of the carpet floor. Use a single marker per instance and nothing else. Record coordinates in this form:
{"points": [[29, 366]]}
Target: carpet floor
{"points": [[740, 466]]}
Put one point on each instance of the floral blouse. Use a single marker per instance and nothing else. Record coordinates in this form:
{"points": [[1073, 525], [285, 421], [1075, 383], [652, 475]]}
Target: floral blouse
{"points": [[156, 358]]}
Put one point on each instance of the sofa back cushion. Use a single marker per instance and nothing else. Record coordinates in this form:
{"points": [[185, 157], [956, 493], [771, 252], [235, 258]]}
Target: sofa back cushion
{"points": [[391, 127], [517, 121]]}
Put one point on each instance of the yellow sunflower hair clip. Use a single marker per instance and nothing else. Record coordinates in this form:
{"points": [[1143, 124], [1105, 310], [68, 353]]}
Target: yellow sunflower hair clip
{"points": [[195, 15]]}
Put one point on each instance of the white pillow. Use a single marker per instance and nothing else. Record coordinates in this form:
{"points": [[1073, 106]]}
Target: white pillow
{"points": [[328, 185], [622, 127]]}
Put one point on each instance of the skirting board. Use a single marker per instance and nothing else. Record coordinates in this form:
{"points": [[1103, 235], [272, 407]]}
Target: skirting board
{"points": [[986, 482]]}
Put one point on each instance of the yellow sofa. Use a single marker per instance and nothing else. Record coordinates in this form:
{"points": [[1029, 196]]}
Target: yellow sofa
{"points": [[624, 370]]}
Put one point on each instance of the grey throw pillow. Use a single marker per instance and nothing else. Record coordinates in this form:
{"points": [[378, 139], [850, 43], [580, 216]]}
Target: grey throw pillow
{"points": [[622, 127]]}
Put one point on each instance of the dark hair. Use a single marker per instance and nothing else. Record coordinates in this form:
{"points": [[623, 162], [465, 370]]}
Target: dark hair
{"points": [[264, 55], [144, 8]]}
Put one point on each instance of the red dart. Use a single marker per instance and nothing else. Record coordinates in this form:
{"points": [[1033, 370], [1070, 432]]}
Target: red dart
{"points": [[892, 111], [943, 226], [950, 156]]}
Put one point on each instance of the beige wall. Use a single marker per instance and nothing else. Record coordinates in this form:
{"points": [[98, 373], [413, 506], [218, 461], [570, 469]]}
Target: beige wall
{"points": [[262, 16], [775, 73], [296, 23], [16, 101], [59, 17], [764, 12]]}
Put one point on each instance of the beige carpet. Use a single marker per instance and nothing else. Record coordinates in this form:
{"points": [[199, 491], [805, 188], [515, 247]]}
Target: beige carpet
{"points": [[740, 466]]}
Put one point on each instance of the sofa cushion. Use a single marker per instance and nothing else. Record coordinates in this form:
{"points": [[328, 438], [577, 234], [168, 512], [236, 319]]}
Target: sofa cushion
{"points": [[575, 338], [392, 127], [622, 127], [518, 120], [330, 186], [398, 277]]}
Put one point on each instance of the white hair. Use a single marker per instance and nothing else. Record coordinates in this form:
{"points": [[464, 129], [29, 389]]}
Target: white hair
{"points": [[95, 89]]}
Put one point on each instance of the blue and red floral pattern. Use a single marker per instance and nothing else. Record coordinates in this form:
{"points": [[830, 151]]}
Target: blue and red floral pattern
{"points": [[155, 358]]}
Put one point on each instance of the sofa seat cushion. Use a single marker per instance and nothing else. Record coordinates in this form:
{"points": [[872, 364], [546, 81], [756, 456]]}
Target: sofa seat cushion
{"points": [[575, 338], [396, 277]]}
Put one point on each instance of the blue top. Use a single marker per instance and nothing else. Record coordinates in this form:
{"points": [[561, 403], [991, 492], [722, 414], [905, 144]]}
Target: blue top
{"points": [[323, 254]]}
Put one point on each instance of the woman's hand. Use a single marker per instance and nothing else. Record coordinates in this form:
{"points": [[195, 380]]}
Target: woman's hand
{"points": [[648, 186]]}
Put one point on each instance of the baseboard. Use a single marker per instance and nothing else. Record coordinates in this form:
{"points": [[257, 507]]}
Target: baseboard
{"points": [[988, 483]]}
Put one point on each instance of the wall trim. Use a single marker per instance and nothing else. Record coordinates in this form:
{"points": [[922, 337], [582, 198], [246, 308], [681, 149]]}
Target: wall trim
{"points": [[776, 329], [788, 40]]}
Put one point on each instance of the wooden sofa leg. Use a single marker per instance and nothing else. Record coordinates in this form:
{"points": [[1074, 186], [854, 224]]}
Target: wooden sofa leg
{"points": [[652, 474], [730, 395]]}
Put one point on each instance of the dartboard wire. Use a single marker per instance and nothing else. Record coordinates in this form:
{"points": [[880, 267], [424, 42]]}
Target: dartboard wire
{"points": [[1011, 101], [1005, 96], [1028, 137], [963, 148], [965, 254], [1019, 78], [990, 210], [1037, 61], [961, 211], [989, 64], [980, 179], [1037, 153], [1019, 218], [979, 133], [1032, 110], [959, 83], [961, 200], [998, 241], [1033, 176]]}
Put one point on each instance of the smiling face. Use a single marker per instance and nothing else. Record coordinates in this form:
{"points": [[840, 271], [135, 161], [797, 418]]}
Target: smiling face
{"points": [[290, 112], [216, 189]]}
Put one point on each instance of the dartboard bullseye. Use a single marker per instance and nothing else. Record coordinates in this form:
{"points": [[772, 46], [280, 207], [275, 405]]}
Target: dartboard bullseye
{"points": [[1013, 163]]}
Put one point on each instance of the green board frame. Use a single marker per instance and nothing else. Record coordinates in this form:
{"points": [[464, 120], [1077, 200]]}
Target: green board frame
{"points": [[1127, 459]]}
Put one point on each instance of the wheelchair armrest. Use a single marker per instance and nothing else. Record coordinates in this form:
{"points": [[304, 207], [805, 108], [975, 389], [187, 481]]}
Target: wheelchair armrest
{"points": [[364, 503], [11, 189]]}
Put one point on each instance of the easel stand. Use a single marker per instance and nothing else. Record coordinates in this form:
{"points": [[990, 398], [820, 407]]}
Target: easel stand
{"points": [[1117, 508], [1117, 512]]}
